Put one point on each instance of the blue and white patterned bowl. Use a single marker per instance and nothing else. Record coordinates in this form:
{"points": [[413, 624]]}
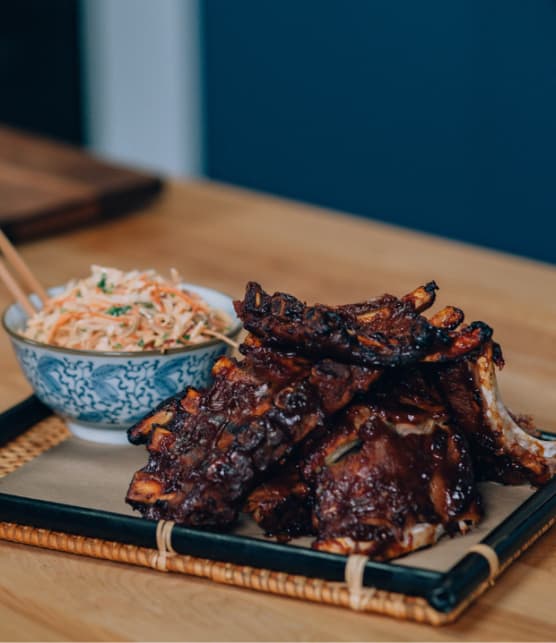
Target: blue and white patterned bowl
{"points": [[101, 394]]}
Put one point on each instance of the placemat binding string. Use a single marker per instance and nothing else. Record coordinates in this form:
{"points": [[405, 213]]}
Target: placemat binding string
{"points": [[359, 596], [163, 545], [487, 552]]}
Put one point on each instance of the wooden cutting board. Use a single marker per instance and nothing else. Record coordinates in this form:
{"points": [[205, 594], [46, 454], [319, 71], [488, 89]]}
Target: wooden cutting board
{"points": [[47, 187]]}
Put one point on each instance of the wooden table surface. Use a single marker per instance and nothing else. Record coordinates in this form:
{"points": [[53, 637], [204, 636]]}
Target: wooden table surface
{"points": [[222, 237]]}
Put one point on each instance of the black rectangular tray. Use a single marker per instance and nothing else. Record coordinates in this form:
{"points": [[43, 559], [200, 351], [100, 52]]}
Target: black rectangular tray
{"points": [[444, 591]]}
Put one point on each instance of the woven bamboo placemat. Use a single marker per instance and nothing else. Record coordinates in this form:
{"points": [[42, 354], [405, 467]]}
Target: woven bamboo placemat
{"points": [[52, 431]]}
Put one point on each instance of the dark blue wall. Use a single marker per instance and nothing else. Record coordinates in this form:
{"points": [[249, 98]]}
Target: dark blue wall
{"points": [[40, 80], [438, 115]]}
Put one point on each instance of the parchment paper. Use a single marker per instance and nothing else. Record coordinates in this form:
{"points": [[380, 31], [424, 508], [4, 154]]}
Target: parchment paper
{"points": [[97, 477]]}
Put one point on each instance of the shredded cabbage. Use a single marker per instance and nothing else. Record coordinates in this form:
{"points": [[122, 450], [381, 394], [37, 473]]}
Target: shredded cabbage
{"points": [[112, 310]]}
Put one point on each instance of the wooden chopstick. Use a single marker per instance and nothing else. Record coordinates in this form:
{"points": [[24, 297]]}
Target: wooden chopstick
{"points": [[15, 289], [28, 279]]}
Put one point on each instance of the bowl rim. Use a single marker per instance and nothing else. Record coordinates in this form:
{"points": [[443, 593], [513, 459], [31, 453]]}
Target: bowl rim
{"points": [[232, 333]]}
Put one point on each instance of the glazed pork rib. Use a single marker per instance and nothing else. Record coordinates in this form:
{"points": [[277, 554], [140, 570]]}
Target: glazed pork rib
{"points": [[397, 469], [392, 475], [382, 332], [282, 506], [208, 449], [505, 447]]}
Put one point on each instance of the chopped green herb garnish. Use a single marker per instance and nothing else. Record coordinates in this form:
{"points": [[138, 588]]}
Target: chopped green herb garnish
{"points": [[102, 282], [188, 337], [78, 294], [103, 285], [147, 304], [118, 311], [141, 342], [117, 346]]}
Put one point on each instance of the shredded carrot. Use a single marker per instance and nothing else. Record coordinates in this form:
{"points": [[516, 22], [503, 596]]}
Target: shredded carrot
{"points": [[59, 323], [155, 294]]}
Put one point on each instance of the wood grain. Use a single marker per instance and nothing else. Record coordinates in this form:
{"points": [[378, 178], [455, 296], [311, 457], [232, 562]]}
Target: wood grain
{"points": [[223, 237], [47, 186]]}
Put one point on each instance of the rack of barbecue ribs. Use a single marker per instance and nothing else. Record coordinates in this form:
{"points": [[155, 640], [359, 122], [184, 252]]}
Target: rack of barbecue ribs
{"points": [[365, 426]]}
